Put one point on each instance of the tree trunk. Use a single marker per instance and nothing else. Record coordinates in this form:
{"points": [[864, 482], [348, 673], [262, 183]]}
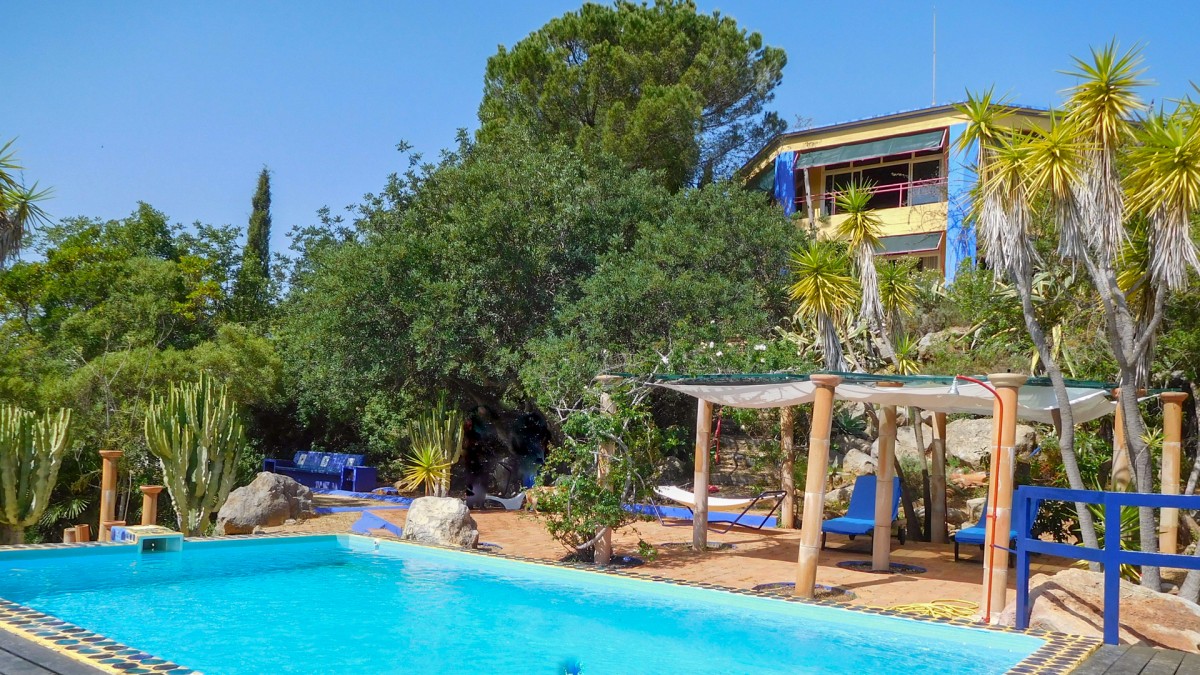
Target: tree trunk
{"points": [[911, 525], [11, 535], [1066, 436], [1143, 474], [914, 418], [1195, 475], [937, 528], [1190, 589], [787, 476]]}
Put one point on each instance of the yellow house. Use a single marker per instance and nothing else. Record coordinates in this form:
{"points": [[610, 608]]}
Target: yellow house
{"points": [[921, 179]]}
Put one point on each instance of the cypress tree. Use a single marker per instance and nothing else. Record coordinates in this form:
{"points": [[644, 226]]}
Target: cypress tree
{"points": [[250, 288]]}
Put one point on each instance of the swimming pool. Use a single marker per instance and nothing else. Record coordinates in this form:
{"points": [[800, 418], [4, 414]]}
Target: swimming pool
{"points": [[341, 604]]}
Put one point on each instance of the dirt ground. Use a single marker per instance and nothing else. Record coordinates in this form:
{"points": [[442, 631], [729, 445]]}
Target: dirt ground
{"points": [[758, 557]]}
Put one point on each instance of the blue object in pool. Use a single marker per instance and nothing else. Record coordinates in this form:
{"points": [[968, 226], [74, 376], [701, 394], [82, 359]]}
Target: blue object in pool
{"points": [[263, 606]]}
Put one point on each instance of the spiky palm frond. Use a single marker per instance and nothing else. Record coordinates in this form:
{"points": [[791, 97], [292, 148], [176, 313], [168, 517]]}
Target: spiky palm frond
{"points": [[1057, 163], [907, 360], [1164, 183], [437, 436], [1009, 215], [19, 209], [861, 229], [426, 468], [1102, 106], [897, 290], [825, 291], [984, 113]]}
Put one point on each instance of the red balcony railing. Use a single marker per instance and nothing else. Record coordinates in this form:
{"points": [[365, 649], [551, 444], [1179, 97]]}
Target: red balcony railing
{"points": [[912, 193]]}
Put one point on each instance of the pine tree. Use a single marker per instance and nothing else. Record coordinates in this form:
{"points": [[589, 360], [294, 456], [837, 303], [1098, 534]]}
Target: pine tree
{"points": [[250, 288]]}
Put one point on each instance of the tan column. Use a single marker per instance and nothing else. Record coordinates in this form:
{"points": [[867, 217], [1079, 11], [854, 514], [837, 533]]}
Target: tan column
{"points": [[108, 489], [937, 482], [885, 471], [814, 485], [1168, 538], [83, 532], [607, 449], [1122, 471], [700, 480], [150, 504], [787, 476], [1000, 489]]}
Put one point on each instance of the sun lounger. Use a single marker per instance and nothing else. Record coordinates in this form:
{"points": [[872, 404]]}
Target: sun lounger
{"points": [[860, 518], [977, 533], [688, 499], [513, 503]]}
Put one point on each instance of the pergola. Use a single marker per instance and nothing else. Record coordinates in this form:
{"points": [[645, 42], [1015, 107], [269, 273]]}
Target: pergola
{"points": [[1007, 397]]}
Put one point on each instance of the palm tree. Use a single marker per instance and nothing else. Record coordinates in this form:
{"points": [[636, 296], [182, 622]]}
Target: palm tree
{"points": [[825, 291], [19, 208], [1004, 212], [898, 295], [861, 229]]}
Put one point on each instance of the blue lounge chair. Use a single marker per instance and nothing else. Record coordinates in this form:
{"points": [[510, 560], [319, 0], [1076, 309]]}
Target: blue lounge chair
{"points": [[977, 533], [860, 518]]}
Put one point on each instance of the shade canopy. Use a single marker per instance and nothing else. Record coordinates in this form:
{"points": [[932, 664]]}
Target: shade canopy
{"points": [[929, 140], [1035, 402]]}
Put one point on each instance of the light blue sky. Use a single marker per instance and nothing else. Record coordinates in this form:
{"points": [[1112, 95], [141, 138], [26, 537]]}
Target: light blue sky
{"points": [[180, 104]]}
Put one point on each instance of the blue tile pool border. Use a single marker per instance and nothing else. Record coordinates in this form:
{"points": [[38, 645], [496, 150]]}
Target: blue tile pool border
{"points": [[1059, 654]]}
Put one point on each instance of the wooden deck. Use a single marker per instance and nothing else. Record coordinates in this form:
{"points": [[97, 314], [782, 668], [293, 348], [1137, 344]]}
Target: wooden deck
{"points": [[1126, 660]]}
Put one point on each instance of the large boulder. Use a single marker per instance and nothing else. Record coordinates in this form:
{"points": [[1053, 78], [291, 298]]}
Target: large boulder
{"points": [[269, 500], [906, 444], [972, 441], [444, 521], [858, 463], [1072, 601]]}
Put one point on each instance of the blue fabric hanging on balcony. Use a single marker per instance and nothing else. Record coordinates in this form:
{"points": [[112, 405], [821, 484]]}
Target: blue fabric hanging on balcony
{"points": [[785, 182], [960, 233]]}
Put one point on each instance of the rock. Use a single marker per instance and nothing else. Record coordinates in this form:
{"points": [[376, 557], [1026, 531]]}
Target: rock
{"points": [[858, 463], [957, 517], [291, 521], [971, 440], [673, 472], [906, 446], [1072, 601], [269, 500], [943, 339], [258, 529], [839, 496], [444, 521]]}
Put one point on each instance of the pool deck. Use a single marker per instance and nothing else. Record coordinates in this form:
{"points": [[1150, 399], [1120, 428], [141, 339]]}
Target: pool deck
{"points": [[19, 656], [1127, 660]]}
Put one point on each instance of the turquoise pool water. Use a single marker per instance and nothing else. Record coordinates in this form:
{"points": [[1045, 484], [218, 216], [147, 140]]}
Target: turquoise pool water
{"points": [[334, 604]]}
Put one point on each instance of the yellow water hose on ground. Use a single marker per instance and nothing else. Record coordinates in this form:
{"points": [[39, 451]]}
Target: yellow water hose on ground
{"points": [[939, 609]]}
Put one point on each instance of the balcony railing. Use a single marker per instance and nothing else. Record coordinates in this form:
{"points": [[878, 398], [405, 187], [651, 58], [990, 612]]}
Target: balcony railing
{"points": [[912, 193]]}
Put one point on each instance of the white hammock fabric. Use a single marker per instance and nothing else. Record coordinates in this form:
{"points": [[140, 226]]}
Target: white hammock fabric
{"points": [[682, 496], [1034, 403]]}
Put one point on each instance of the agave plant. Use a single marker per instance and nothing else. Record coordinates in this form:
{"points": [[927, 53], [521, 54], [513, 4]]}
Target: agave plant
{"points": [[436, 438], [825, 291]]}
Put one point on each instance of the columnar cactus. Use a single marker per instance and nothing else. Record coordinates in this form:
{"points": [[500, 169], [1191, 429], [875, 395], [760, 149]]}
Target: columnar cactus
{"points": [[197, 435], [31, 450]]}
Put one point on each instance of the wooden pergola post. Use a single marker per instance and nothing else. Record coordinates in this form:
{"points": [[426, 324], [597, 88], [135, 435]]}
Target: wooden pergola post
{"points": [[700, 479], [108, 489], [1122, 471], [1172, 401], [885, 472], [787, 476], [603, 551], [1000, 489], [937, 482], [814, 485]]}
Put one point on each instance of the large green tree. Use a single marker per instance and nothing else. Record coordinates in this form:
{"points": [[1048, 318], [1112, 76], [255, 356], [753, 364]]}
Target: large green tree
{"points": [[660, 86], [253, 277]]}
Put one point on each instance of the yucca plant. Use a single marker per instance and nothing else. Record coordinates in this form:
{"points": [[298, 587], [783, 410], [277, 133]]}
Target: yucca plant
{"points": [[436, 443], [824, 291], [19, 207], [31, 450]]}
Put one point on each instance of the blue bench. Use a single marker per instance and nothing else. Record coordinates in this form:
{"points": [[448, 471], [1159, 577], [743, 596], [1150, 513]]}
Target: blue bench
{"points": [[326, 471]]}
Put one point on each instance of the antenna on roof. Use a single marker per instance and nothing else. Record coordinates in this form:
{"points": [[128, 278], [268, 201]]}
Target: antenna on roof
{"points": [[935, 55]]}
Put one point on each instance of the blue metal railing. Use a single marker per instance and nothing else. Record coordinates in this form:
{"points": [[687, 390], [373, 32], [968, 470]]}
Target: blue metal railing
{"points": [[1111, 556]]}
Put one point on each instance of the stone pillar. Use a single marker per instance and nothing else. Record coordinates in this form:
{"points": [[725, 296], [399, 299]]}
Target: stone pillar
{"points": [[108, 489], [814, 485], [885, 472], [700, 478], [1172, 402], [937, 482], [150, 504], [607, 449], [787, 476], [1122, 471], [1000, 491]]}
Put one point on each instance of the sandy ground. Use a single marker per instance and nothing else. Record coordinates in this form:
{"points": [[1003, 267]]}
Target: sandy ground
{"points": [[758, 557]]}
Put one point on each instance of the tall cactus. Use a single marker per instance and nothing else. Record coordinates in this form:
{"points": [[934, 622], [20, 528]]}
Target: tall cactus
{"points": [[197, 435], [31, 450]]}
